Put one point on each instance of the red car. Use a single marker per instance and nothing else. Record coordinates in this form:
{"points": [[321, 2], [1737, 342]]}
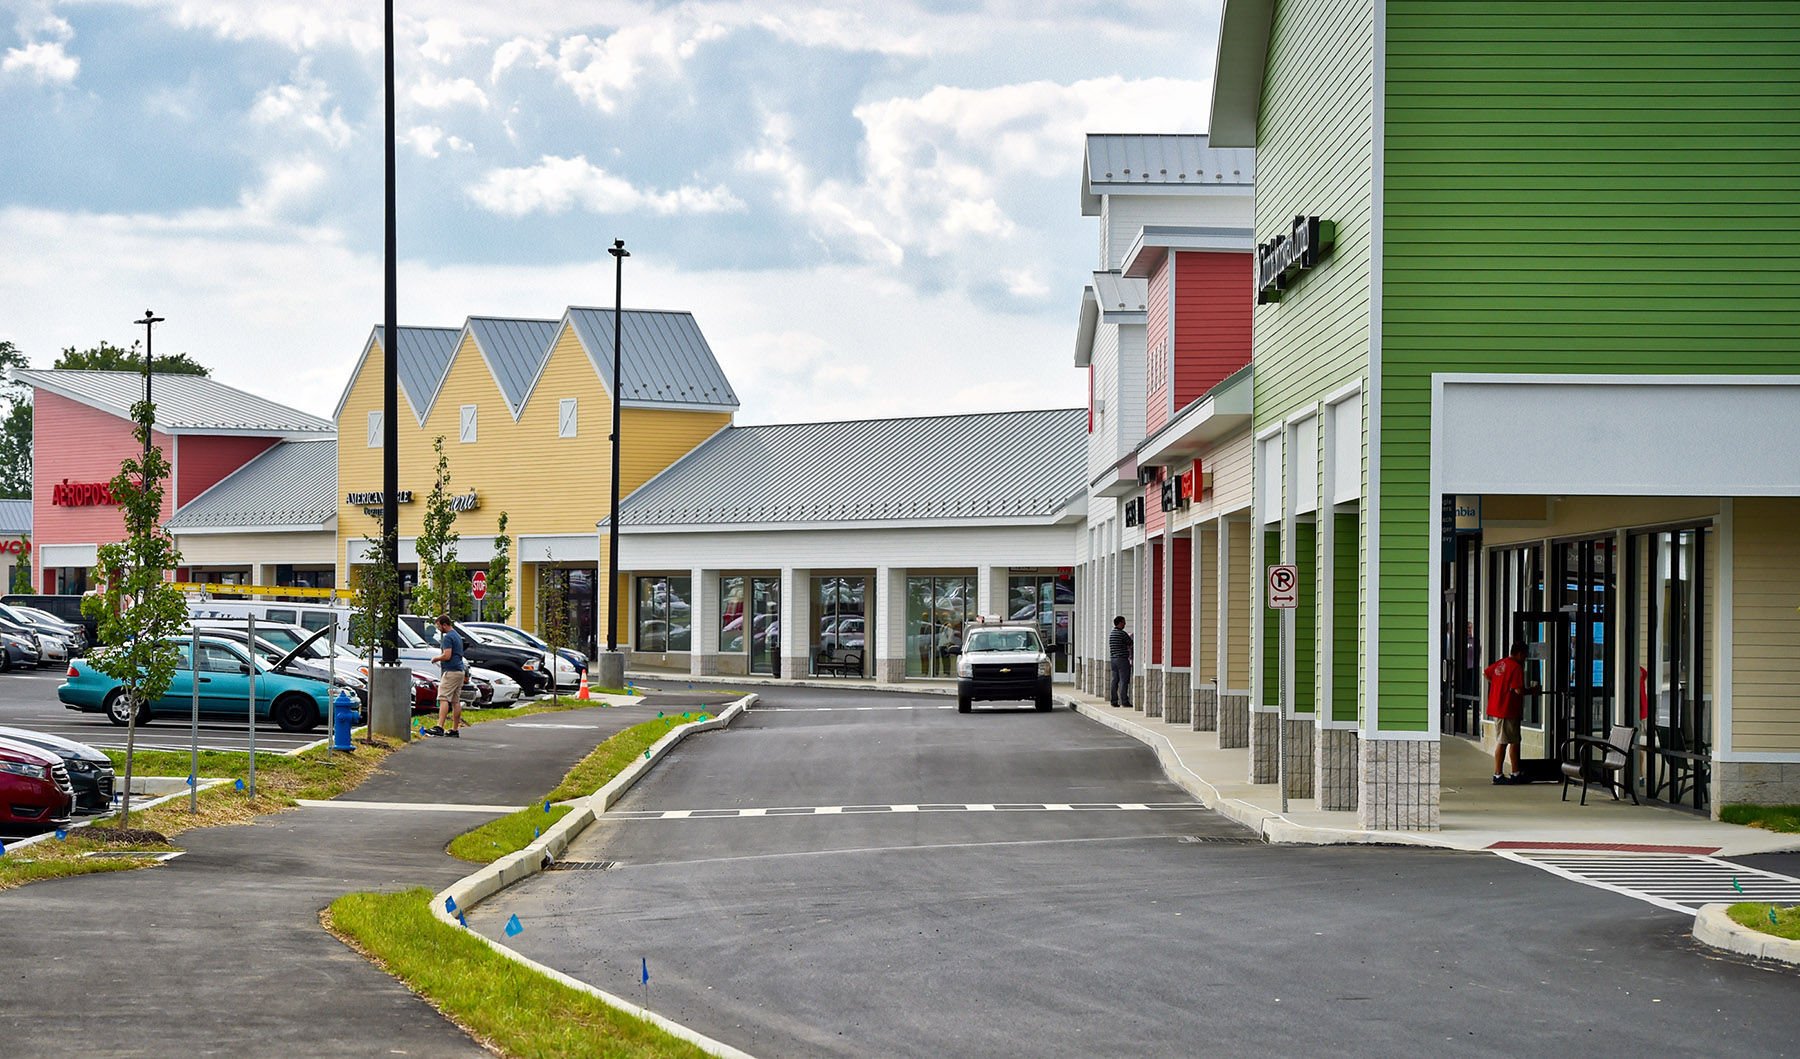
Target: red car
{"points": [[34, 787]]}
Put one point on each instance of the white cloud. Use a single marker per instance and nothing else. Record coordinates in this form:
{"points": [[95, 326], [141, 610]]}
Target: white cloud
{"points": [[601, 70], [288, 187], [438, 93], [42, 61], [425, 139], [301, 104], [556, 185]]}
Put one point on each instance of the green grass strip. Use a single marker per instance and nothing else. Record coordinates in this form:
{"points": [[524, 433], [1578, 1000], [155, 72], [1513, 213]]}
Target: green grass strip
{"points": [[509, 834], [610, 758], [519, 1011], [1768, 817], [1755, 915]]}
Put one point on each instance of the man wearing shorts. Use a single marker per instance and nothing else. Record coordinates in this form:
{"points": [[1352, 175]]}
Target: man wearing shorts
{"points": [[1506, 705], [450, 685]]}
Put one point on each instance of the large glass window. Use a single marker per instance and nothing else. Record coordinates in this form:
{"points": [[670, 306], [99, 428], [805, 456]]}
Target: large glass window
{"points": [[664, 615], [840, 626], [731, 614], [1515, 586], [937, 609], [765, 624], [1047, 601], [1667, 661]]}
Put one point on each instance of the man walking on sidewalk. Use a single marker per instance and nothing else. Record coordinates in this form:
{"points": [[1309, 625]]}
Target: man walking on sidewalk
{"points": [[450, 684], [1119, 650]]}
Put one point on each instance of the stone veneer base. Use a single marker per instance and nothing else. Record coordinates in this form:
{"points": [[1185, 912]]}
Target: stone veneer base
{"points": [[1153, 692], [1755, 782], [1298, 750], [1400, 780], [1205, 715], [1336, 777], [1234, 721], [1178, 701], [1264, 767]]}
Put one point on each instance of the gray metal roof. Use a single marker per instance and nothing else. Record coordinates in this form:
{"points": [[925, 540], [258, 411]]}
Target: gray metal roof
{"points": [[516, 350], [292, 484], [15, 517], [1160, 162], [1118, 294], [1023, 466], [422, 358], [184, 403], [666, 359]]}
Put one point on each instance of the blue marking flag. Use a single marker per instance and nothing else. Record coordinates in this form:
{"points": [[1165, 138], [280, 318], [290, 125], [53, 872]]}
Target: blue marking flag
{"points": [[2, 849], [535, 833], [192, 781], [1735, 885], [240, 785], [684, 715], [449, 904], [659, 715], [1772, 917], [61, 834], [460, 919], [646, 960], [546, 805], [514, 927]]}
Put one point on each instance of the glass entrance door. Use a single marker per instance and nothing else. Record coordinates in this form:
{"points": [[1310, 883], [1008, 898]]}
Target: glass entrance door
{"points": [[1047, 600], [937, 609], [1668, 597], [1587, 580], [765, 625]]}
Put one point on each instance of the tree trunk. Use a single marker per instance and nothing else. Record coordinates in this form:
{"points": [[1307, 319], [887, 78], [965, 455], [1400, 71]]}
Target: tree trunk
{"points": [[131, 704]]}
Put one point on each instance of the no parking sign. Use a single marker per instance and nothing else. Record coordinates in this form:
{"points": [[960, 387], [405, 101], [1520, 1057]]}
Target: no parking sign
{"points": [[1284, 586]]}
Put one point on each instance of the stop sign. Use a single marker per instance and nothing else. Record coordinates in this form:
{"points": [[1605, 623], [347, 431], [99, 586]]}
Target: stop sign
{"points": [[478, 588]]}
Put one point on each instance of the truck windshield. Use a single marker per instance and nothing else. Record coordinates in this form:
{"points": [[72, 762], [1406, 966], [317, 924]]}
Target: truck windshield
{"points": [[1002, 640]]}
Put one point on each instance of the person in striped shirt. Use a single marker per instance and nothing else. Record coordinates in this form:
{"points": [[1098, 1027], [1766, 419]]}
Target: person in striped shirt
{"points": [[1119, 650]]}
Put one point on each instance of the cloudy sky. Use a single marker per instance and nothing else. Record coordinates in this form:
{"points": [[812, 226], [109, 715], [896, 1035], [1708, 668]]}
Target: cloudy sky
{"points": [[871, 207]]}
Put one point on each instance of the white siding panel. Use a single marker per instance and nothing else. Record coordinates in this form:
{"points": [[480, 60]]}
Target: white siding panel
{"points": [[851, 548], [1125, 215]]}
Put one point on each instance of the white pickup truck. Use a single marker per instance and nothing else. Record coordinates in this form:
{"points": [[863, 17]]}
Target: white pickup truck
{"points": [[998, 662]]}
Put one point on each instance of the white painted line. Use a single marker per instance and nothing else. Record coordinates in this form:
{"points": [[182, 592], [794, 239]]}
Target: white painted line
{"points": [[678, 814], [783, 811], [751, 812], [406, 807], [1677, 882], [844, 709], [903, 808], [535, 724], [826, 810]]}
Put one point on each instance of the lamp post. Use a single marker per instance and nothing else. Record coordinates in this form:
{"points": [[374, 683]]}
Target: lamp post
{"points": [[612, 663], [149, 321]]}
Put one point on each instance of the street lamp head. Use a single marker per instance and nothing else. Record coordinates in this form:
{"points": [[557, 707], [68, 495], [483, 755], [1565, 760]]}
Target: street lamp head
{"points": [[618, 249]]}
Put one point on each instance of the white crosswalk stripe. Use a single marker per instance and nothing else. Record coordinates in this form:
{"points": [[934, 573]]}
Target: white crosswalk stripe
{"points": [[943, 807], [1680, 882]]}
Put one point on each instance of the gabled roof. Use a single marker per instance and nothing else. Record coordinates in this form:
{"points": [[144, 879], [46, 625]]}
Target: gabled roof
{"points": [[995, 467], [1238, 71], [1160, 164], [293, 484], [15, 517], [185, 404], [666, 360], [423, 359], [515, 351]]}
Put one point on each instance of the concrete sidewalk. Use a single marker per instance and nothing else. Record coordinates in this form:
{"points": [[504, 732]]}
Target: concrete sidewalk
{"points": [[220, 951], [1475, 814]]}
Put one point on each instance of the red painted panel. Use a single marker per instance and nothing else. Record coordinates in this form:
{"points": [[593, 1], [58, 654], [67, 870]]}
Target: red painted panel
{"points": [[1156, 351], [201, 461], [1156, 601], [1154, 516], [1181, 622], [1212, 319], [79, 444]]}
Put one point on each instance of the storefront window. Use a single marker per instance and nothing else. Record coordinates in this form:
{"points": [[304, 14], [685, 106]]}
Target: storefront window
{"points": [[937, 609], [1047, 601], [840, 627], [1667, 661], [765, 624], [731, 615], [1516, 587], [664, 615]]}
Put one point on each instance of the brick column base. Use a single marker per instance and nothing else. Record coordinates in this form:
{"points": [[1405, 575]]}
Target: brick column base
{"points": [[1299, 754], [1137, 691], [703, 665], [1234, 721], [1206, 708], [890, 670], [1756, 782], [1178, 701], [1263, 763], [1400, 780], [1336, 773], [1153, 692]]}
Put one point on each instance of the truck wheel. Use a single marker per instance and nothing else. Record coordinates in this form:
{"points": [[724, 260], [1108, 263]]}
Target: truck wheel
{"points": [[964, 704], [1043, 702]]}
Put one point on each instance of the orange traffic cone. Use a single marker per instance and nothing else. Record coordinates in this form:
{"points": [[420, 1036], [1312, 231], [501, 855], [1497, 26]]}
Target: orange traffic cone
{"points": [[582, 695]]}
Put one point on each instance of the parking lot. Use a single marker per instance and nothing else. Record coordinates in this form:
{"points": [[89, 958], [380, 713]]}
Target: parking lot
{"points": [[28, 700]]}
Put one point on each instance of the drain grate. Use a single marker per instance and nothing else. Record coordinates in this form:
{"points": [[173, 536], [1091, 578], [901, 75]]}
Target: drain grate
{"points": [[1221, 840], [582, 865]]}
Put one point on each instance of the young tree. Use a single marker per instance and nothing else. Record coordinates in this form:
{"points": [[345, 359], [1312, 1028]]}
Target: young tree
{"points": [[138, 609], [555, 628], [442, 586], [497, 607], [21, 575]]}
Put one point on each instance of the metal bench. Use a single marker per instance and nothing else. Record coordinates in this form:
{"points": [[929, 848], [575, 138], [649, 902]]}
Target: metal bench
{"points": [[848, 664], [1613, 768]]}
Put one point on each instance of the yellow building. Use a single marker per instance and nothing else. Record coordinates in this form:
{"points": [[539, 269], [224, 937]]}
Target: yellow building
{"points": [[525, 409]]}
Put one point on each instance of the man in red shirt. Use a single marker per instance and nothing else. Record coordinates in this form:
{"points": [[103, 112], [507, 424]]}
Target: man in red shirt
{"points": [[1506, 704]]}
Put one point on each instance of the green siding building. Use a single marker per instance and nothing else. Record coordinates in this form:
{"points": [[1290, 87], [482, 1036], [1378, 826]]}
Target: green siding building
{"points": [[1537, 378]]}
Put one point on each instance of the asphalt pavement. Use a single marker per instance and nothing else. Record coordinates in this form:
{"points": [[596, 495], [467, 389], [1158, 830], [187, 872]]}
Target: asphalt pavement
{"points": [[28, 700], [220, 951], [864, 874]]}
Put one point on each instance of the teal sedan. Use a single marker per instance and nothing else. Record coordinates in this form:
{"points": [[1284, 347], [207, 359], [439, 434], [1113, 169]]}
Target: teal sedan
{"points": [[295, 701]]}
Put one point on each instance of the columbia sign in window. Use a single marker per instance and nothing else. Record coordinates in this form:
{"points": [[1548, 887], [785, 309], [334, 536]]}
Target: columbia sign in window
{"points": [[664, 616]]}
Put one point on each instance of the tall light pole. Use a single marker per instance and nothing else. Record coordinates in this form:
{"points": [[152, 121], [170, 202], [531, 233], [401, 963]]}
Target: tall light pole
{"points": [[390, 367], [149, 321], [612, 663]]}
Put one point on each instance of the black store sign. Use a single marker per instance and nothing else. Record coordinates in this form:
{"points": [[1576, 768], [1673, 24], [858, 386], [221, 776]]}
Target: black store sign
{"points": [[1280, 261]]}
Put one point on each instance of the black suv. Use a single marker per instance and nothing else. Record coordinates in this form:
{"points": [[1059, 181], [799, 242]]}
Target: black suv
{"points": [[525, 667]]}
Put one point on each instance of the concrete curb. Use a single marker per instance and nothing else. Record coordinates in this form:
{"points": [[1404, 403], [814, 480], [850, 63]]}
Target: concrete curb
{"points": [[1272, 826], [204, 785], [1712, 926], [468, 892]]}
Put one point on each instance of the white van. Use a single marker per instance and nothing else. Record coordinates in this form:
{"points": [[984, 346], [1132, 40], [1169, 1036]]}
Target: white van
{"points": [[312, 616]]}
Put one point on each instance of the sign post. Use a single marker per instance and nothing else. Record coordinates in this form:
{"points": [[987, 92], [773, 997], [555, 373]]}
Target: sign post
{"points": [[1282, 593]]}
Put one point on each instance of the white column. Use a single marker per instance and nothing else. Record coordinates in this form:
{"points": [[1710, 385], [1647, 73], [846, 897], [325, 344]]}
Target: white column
{"points": [[1168, 597], [1197, 620], [703, 630], [890, 624], [796, 623], [991, 590]]}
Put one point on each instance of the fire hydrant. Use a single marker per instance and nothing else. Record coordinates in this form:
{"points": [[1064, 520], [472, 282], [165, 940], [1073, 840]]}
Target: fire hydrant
{"points": [[343, 717]]}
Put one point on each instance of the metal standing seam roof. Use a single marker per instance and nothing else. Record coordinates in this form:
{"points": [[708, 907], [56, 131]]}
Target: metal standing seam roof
{"points": [[996, 465], [294, 483], [666, 359], [192, 403], [422, 358], [516, 351], [1120, 294], [15, 517], [1160, 161]]}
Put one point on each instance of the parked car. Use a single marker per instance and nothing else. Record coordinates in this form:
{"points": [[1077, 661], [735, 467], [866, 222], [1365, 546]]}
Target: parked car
{"points": [[67, 608], [297, 701], [419, 640], [74, 632], [90, 771], [20, 645], [58, 641], [34, 787], [570, 663], [309, 650]]}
